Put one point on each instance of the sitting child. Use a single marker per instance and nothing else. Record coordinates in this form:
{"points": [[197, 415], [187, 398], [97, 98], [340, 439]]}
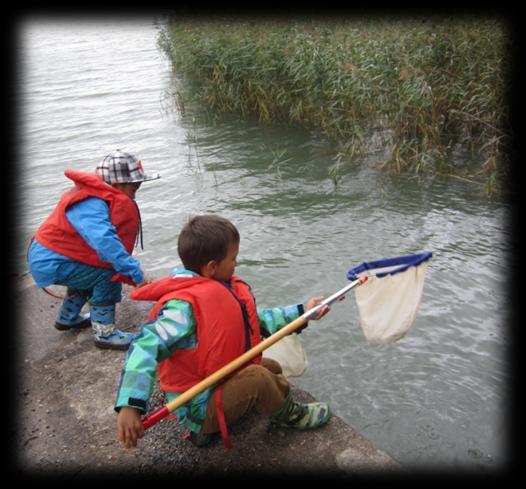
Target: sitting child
{"points": [[204, 317]]}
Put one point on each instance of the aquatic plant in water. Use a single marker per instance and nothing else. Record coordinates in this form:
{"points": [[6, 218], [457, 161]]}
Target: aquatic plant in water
{"points": [[430, 92]]}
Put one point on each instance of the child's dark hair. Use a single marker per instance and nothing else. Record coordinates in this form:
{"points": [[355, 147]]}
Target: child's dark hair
{"points": [[205, 238]]}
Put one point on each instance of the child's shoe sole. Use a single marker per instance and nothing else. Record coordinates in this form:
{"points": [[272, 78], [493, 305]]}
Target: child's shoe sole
{"points": [[86, 323], [104, 345]]}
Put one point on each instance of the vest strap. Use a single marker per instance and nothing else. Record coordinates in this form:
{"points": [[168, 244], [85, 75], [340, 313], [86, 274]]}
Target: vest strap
{"points": [[221, 417]]}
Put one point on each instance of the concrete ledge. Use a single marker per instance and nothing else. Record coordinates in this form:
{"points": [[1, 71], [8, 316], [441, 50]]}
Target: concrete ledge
{"points": [[66, 423]]}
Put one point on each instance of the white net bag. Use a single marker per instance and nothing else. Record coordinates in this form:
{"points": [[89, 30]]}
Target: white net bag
{"points": [[389, 300], [290, 354]]}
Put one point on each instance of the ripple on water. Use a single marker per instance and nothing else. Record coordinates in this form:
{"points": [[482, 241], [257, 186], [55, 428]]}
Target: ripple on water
{"points": [[436, 396]]}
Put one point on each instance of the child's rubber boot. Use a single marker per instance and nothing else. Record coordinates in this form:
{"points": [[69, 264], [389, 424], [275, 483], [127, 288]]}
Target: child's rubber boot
{"points": [[69, 316], [301, 416], [199, 440], [106, 335]]}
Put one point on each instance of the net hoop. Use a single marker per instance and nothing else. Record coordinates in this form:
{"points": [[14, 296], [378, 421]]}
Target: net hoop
{"points": [[389, 266]]}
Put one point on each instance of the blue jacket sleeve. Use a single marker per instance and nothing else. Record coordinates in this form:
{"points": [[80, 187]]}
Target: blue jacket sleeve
{"points": [[91, 219]]}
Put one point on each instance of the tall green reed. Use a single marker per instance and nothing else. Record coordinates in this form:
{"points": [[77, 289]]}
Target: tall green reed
{"points": [[433, 91]]}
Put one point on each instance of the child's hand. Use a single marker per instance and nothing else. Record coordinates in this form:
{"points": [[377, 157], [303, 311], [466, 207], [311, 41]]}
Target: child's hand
{"points": [[146, 281], [315, 301], [129, 426]]}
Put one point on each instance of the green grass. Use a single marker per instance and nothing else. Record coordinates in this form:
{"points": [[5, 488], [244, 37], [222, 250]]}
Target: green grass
{"points": [[431, 93]]}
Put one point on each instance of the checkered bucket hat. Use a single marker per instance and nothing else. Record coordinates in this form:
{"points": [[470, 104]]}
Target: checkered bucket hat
{"points": [[120, 167]]}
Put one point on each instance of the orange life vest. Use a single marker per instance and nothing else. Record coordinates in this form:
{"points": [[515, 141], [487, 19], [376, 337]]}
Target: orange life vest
{"points": [[227, 326], [57, 233]]}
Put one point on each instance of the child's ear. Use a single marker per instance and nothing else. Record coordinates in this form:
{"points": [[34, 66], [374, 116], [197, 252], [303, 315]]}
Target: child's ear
{"points": [[209, 269]]}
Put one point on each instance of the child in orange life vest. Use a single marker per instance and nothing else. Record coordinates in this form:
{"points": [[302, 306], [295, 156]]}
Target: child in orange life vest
{"points": [[204, 317], [86, 244]]}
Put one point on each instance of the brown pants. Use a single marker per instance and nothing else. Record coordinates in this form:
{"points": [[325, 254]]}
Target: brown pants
{"points": [[262, 387]]}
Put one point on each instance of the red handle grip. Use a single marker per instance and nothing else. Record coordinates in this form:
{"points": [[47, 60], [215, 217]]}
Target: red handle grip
{"points": [[154, 417]]}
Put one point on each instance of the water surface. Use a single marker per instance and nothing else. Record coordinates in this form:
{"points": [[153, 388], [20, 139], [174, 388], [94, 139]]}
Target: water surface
{"points": [[435, 398]]}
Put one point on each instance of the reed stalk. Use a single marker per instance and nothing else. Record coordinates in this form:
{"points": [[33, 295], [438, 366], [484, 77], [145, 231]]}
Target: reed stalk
{"points": [[434, 89]]}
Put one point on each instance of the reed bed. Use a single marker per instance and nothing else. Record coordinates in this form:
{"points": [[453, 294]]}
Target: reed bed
{"points": [[429, 94]]}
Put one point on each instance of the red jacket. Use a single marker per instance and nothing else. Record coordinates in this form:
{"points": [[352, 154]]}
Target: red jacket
{"points": [[57, 234], [223, 333]]}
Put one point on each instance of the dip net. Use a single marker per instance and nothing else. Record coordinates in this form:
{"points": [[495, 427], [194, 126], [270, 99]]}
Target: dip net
{"points": [[388, 301]]}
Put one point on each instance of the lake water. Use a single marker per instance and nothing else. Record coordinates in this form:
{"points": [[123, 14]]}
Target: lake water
{"points": [[436, 398]]}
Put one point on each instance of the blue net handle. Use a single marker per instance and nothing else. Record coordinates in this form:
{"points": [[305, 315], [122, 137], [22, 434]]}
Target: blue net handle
{"points": [[389, 266]]}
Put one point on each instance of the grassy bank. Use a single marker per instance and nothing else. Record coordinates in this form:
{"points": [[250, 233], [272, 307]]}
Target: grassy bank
{"points": [[429, 94]]}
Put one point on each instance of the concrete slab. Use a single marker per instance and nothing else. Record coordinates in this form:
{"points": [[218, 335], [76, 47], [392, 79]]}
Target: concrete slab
{"points": [[66, 423]]}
